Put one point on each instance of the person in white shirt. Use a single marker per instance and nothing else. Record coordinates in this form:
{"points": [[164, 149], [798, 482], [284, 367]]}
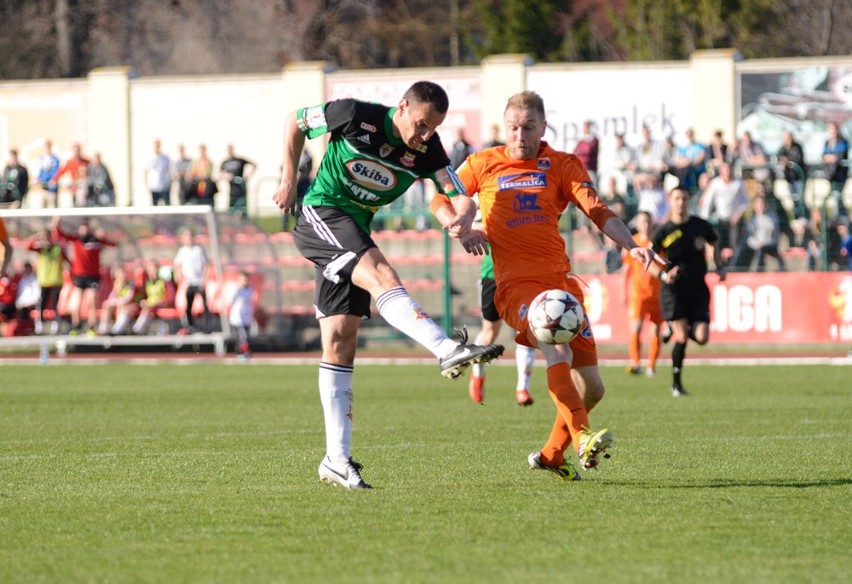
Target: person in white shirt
{"points": [[724, 200], [157, 176], [652, 199], [191, 265], [241, 314]]}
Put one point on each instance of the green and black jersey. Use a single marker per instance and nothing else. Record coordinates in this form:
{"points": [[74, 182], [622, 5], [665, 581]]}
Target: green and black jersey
{"points": [[366, 166]]}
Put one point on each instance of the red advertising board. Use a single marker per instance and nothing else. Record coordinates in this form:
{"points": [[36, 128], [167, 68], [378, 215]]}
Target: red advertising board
{"points": [[790, 307]]}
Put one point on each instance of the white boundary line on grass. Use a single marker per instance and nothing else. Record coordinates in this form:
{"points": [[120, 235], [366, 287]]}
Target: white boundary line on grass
{"points": [[208, 359]]}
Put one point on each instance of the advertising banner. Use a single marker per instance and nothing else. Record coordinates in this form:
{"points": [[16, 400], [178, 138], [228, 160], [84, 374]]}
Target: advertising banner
{"points": [[747, 308]]}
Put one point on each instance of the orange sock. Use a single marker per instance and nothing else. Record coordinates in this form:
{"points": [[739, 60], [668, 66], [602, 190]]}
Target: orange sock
{"points": [[571, 416], [633, 348], [653, 351]]}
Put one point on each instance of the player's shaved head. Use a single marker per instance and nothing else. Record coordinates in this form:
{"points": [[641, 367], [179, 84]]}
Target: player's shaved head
{"points": [[428, 92]]}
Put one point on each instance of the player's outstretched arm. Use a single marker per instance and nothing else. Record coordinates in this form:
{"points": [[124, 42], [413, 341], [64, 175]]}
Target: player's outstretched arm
{"points": [[294, 141]]}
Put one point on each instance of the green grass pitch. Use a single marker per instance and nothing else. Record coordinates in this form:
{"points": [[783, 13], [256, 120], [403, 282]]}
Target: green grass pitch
{"points": [[207, 473]]}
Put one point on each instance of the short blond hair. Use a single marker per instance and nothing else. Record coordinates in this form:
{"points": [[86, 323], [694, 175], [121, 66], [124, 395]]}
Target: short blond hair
{"points": [[526, 100]]}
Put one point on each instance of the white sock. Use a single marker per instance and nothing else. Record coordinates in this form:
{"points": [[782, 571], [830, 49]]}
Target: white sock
{"points": [[335, 389], [524, 359], [478, 369], [402, 313], [141, 323], [120, 324]]}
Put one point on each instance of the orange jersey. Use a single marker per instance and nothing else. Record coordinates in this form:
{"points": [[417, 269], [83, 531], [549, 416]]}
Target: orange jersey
{"points": [[521, 201], [642, 285]]}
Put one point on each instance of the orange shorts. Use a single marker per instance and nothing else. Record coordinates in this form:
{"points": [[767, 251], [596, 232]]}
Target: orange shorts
{"points": [[514, 297], [650, 308]]}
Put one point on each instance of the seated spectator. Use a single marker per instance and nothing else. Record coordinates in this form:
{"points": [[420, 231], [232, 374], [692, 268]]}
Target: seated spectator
{"points": [[717, 152], [51, 257], [612, 198], [752, 158], [724, 202], [649, 159], [159, 293], [791, 158], [835, 156], [119, 304], [653, 200], [804, 238], [763, 231], [839, 247], [690, 162]]}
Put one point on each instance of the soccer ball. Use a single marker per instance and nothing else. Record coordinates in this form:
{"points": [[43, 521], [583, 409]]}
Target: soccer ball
{"points": [[555, 317]]}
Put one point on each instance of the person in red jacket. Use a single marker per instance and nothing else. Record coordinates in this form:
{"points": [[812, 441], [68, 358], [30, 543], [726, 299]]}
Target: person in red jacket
{"points": [[86, 247]]}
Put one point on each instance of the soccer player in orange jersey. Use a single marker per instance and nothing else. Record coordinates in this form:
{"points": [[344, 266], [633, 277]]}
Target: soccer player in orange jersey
{"points": [[642, 294], [523, 188]]}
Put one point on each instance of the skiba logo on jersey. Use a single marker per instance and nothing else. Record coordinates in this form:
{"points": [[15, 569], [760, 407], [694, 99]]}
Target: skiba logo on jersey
{"points": [[371, 175]]}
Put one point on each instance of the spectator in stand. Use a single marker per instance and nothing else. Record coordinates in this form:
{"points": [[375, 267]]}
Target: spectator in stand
{"points": [[202, 187], [791, 158], [48, 164], [99, 189], [241, 315], [86, 247], [119, 304], [612, 198], [15, 181], [51, 257], [724, 202], [752, 159], [835, 162], [27, 296], [690, 162], [845, 243], [587, 150], [652, 199], [159, 293], [717, 152], [75, 167], [157, 175], [838, 256], [763, 231], [624, 162], [461, 149], [191, 267], [649, 159], [181, 173], [237, 171], [804, 238], [495, 137]]}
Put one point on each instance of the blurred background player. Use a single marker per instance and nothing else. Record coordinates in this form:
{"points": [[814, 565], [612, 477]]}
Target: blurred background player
{"points": [[491, 325], [119, 304], [191, 266], [683, 240], [241, 314], [159, 293], [642, 293]]}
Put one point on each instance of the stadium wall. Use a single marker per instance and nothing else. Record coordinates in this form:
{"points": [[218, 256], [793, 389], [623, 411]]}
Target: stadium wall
{"points": [[114, 112]]}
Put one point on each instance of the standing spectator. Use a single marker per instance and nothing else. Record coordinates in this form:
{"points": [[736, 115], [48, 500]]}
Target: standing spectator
{"points": [[791, 157], [75, 167], [86, 247], [587, 150], [181, 173], [804, 238], [685, 296], [649, 159], [100, 191], [6, 248], [611, 197], [752, 159], [157, 176], [241, 315], [495, 137], [237, 171], [690, 161], [652, 199], [724, 201], [763, 231], [834, 160], [845, 243], [461, 150], [642, 296], [202, 187], [120, 302], [191, 266], [51, 258], [717, 151], [16, 181], [159, 293], [48, 164], [624, 162]]}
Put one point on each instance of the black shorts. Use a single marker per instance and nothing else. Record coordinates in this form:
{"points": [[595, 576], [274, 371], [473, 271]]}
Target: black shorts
{"points": [[487, 288], [334, 243], [689, 300], [87, 282]]}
